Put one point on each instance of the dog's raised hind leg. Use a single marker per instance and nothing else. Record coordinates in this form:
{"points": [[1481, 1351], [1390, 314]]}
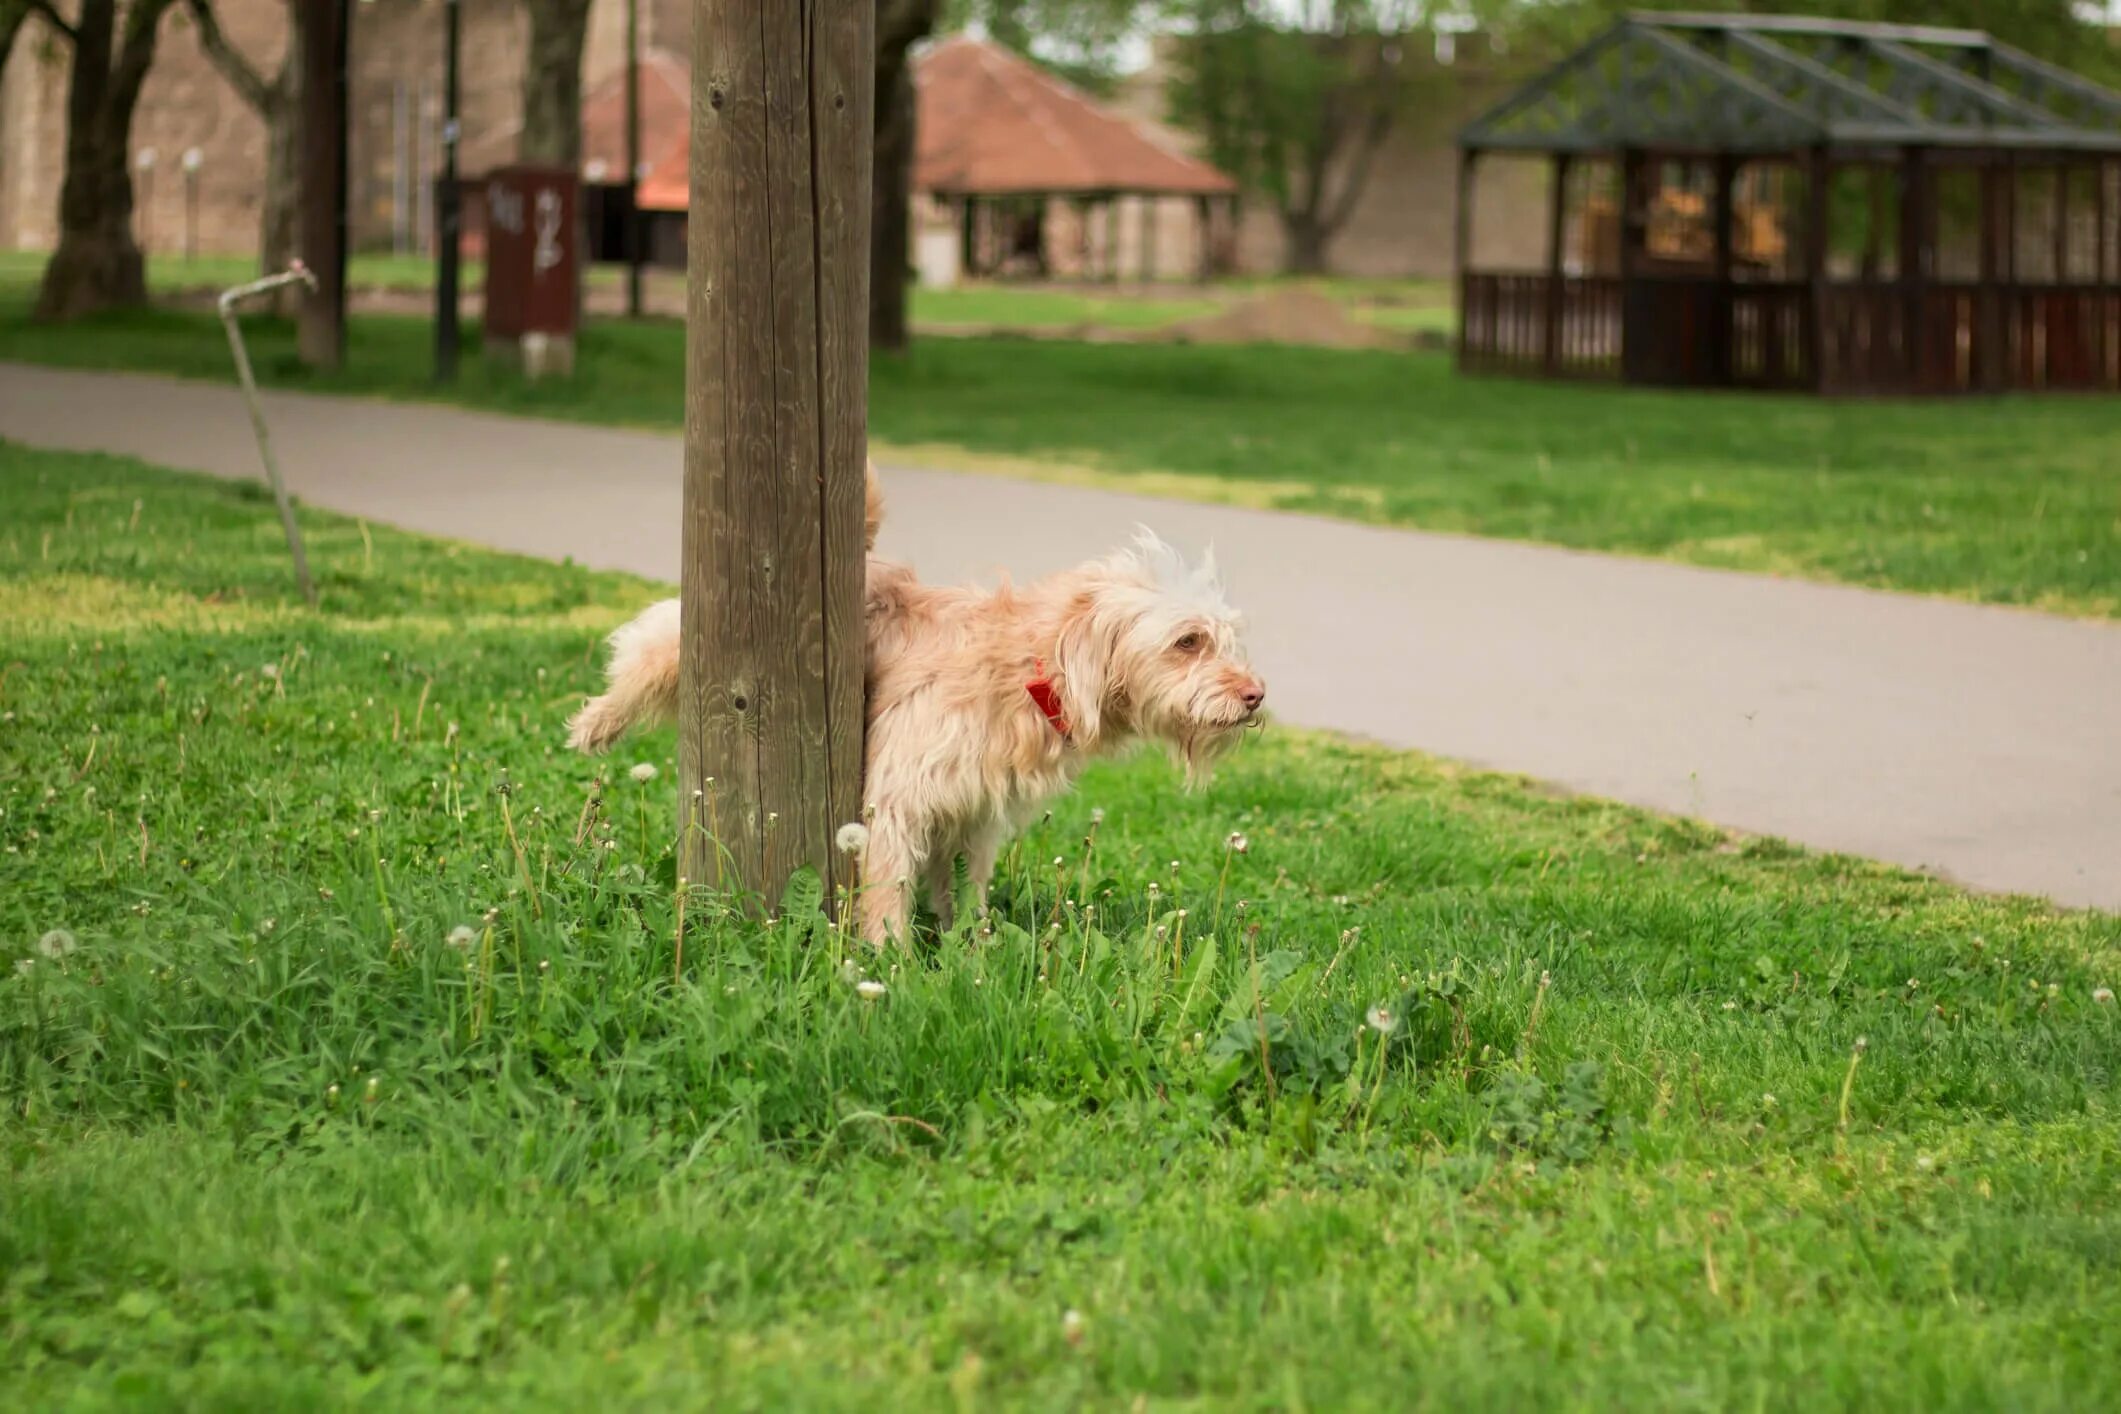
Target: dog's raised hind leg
{"points": [[889, 866], [942, 887], [981, 851]]}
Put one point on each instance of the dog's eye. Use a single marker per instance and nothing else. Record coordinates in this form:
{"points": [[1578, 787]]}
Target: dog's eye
{"points": [[1188, 643]]}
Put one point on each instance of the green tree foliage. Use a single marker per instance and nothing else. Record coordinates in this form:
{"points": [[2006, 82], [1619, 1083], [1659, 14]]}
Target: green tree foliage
{"points": [[1077, 39], [1297, 108]]}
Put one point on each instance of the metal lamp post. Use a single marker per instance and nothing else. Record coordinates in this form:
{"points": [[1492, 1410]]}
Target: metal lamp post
{"points": [[450, 210], [191, 162], [145, 162]]}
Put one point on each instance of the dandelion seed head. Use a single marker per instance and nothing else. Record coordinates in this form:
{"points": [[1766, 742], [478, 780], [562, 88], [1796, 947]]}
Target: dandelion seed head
{"points": [[56, 944], [2104, 996], [869, 989], [462, 936], [1237, 843], [270, 670], [1381, 1019], [853, 837], [644, 773], [1097, 816]]}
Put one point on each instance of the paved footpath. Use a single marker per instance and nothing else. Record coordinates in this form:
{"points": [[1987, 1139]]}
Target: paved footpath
{"points": [[1982, 743]]}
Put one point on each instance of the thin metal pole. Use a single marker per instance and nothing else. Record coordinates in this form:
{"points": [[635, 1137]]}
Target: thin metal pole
{"points": [[400, 167], [296, 274], [633, 158], [449, 238]]}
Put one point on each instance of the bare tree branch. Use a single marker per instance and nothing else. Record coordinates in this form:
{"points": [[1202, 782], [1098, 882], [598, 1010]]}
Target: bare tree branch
{"points": [[248, 82], [51, 17], [137, 51], [1357, 176]]}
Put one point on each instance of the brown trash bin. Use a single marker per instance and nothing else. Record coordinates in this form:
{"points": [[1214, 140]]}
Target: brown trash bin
{"points": [[533, 266]]}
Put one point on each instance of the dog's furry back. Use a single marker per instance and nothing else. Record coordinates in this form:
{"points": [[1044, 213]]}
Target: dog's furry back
{"points": [[642, 681]]}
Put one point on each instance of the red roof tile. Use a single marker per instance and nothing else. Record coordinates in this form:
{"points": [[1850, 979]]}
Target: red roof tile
{"points": [[992, 123]]}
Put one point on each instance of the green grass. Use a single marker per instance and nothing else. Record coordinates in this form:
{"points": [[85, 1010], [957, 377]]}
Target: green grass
{"points": [[2012, 501], [170, 273], [273, 1140], [1394, 304], [1009, 307]]}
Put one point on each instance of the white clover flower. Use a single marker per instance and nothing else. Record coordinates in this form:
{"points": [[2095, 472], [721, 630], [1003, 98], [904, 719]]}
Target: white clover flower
{"points": [[1924, 1162], [869, 989], [644, 773], [56, 944], [853, 837], [1381, 1019], [462, 936]]}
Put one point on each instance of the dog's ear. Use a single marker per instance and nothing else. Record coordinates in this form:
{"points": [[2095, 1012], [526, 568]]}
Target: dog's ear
{"points": [[1083, 656]]}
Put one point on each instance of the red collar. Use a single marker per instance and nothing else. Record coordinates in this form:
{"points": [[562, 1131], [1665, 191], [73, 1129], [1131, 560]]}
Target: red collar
{"points": [[1048, 699]]}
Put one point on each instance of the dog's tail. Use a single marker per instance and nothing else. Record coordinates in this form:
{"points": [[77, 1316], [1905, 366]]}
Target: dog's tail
{"points": [[641, 682]]}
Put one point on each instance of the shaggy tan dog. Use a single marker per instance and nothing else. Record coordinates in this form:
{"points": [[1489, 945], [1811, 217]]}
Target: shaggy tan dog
{"points": [[985, 704]]}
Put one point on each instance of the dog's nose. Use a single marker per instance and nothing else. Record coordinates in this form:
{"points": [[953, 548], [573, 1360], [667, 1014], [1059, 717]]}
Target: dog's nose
{"points": [[1255, 693]]}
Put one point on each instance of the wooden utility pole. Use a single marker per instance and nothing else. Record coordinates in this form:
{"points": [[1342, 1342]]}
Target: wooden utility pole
{"points": [[776, 418], [320, 329]]}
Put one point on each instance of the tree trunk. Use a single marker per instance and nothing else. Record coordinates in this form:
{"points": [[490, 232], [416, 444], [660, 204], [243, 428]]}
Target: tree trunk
{"points": [[278, 106], [899, 23], [98, 265], [552, 83], [1305, 240], [890, 229]]}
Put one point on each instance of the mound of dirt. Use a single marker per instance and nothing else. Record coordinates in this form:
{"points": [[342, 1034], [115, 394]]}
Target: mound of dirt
{"points": [[1292, 314]]}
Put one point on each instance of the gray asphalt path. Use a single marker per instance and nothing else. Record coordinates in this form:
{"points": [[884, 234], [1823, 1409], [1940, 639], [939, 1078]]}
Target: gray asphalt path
{"points": [[1981, 743]]}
